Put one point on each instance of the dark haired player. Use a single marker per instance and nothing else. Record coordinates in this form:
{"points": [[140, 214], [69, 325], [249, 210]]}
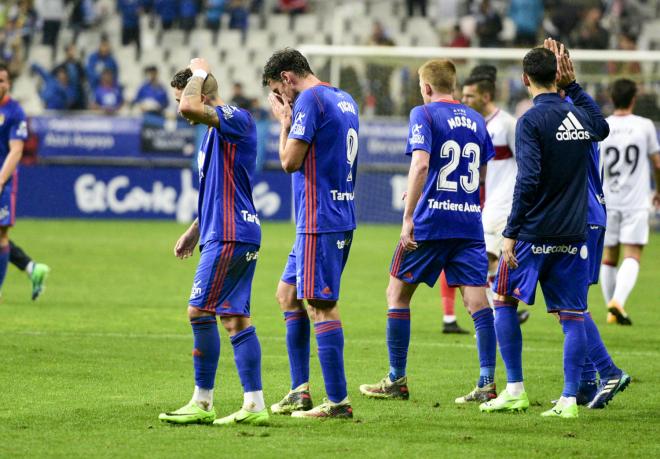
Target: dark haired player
{"points": [[633, 141], [318, 146], [229, 235], [13, 133], [544, 240], [442, 227]]}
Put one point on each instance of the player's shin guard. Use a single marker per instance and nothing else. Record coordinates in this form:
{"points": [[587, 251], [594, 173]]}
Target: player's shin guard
{"points": [[297, 345], [597, 352], [575, 350], [247, 355], [206, 350], [509, 337], [330, 342], [484, 324], [398, 340], [4, 261]]}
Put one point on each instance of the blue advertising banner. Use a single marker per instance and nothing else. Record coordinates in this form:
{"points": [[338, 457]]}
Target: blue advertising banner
{"points": [[132, 193]]}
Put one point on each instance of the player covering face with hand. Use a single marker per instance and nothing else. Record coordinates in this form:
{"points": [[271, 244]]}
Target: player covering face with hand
{"points": [[442, 228], [318, 146], [229, 235]]}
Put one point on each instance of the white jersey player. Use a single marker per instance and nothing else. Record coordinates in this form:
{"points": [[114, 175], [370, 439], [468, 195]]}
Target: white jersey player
{"points": [[632, 142]]}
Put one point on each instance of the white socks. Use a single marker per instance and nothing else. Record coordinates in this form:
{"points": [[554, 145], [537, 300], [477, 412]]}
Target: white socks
{"points": [[625, 280], [254, 401], [203, 398], [448, 319], [607, 281], [565, 401], [29, 268], [515, 388]]}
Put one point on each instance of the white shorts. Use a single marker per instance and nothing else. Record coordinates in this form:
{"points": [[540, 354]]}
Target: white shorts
{"points": [[493, 228], [627, 227]]}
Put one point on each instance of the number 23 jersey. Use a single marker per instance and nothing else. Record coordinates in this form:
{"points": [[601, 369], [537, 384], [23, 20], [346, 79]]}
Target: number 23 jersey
{"points": [[326, 118], [626, 152], [456, 138]]}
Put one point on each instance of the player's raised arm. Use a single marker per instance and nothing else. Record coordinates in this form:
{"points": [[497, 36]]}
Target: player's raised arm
{"points": [[198, 96]]}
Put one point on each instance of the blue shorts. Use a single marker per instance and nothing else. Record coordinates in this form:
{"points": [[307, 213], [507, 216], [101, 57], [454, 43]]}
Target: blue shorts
{"points": [[223, 281], [8, 202], [315, 264], [464, 261], [595, 244], [562, 270]]}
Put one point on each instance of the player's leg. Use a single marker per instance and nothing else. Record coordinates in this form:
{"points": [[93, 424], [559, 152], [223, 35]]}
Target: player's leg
{"points": [[608, 273], [36, 272], [407, 270], [297, 341], [626, 278], [207, 284], [321, 259], [4, 253], [448, 296]]}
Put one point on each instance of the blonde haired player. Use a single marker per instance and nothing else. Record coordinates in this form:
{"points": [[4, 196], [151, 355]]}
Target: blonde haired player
{"points": [[632, 140]]}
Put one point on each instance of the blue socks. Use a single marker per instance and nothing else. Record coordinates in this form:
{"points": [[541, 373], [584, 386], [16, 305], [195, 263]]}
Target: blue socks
{"points": [[589, 373], [597, 352], [206, 350], [398, 340], [509, 337], [575, 350], [486, 345], [4, 261], [247, 355], [330, 341], [297, 344]]}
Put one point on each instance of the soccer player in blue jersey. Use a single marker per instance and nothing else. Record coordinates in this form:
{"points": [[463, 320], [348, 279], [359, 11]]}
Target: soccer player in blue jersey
{"points": [[546, 231], [229, 235], [13, 133], [318, 146], [442, 228]]}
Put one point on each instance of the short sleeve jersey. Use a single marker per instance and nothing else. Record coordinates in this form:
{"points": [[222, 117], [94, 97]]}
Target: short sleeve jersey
{"points": [[456, 138], [632, 139], [226, 163], [13, 125], [326, 118]]}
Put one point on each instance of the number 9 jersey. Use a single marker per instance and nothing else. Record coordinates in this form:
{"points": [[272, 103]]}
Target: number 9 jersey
{"points": [[456, 138], [323, 189]]}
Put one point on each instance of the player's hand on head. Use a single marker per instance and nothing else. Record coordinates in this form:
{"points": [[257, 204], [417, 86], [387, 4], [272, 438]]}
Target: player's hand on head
{"points": [[509, 253], [407, 237], [199, 63]]}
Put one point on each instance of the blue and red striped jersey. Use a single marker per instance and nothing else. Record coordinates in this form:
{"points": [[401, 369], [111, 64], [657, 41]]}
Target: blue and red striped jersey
{"points": [[456, 138], [323, 189], [226, 162], [13, 125]]}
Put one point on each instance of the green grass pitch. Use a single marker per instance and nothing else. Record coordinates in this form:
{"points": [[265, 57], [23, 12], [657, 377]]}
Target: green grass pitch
{"points": [[86, 369]]}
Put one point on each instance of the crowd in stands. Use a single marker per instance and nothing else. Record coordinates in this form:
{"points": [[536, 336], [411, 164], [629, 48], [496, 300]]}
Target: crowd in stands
{"points": [[74, 81]]}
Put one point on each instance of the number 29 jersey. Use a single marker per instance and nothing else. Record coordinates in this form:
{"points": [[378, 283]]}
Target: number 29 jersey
{"points": [[631, 141], [326, 118], [456, 138]]}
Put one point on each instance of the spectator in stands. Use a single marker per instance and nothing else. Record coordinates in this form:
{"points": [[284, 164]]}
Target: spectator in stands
{"points": [[412, 5], [76, 76], [590, 34], [238, 98], [187, 17], [99, 61], [238, 16], [130, 11], [214, 10], [627, 42], [489, 25], [82, 16], [51, 12], [527, 16], [292, 6], [24, 20], [11, 50], [459, 39], [378, 75], [563, 16], [167, 10], [108, 95], [56, 92], [151, 96]]}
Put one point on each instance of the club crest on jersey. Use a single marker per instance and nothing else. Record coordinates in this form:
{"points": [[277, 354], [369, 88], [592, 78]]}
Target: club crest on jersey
{"points": [[571, 129], [228, 111], [417, 136], [298, 127]]}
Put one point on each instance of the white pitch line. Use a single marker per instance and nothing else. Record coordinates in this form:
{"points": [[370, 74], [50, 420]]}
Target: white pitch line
{"points": [[374, 342]]}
